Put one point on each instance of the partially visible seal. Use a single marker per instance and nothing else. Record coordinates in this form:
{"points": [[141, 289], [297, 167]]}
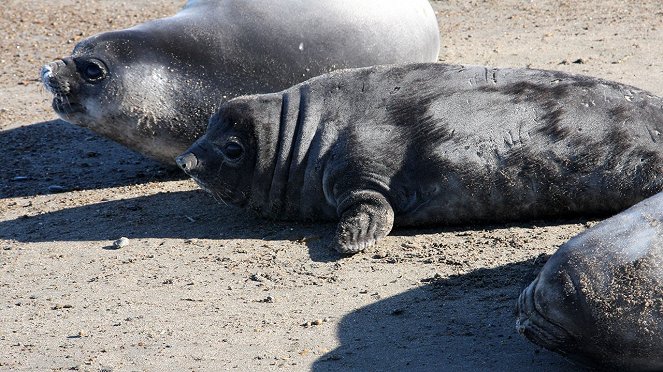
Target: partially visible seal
{"points": [[599, 298], [152, 87], [433, 144]]}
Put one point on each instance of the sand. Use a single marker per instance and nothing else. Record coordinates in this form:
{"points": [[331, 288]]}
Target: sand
{"points": [[200, 286]]}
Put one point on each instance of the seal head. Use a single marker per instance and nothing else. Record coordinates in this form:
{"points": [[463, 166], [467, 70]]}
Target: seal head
{"points": [[223, 161], [116, 84], [599, 299]]}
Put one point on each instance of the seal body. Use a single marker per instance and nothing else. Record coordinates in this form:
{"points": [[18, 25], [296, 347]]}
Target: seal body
{"points": [[153, 87], [434, 144], [599, 298]]}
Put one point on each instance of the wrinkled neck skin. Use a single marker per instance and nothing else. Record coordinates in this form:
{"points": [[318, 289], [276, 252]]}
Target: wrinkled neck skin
{"points": [[287, 183], [316, 154]]}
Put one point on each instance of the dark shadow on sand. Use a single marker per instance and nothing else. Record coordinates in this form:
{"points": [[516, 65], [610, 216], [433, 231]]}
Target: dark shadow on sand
{"points": [[462, 323], [178, 215], [182, 215], [65, 157]]}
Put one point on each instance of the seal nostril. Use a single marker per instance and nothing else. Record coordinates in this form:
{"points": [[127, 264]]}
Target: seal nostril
{"points": [[45, 73], [187, 161], [180, 162]]}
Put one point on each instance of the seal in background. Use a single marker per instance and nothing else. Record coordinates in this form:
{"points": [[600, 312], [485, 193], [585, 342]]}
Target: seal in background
{"points": [[152, 87]]}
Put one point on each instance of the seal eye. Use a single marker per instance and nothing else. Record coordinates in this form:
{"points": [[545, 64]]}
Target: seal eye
{"points": [[233, 150], [93, 71]]}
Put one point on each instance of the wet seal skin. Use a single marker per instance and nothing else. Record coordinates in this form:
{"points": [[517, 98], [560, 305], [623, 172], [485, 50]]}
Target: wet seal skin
{"points": [[154, 86], [599, 299], [433, 144]]}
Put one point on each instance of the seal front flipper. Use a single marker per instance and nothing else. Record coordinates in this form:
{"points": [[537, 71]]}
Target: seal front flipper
{"points": [[366, 217]]}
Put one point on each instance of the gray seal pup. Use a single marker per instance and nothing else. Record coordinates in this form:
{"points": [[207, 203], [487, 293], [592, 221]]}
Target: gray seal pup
{"points": [[425, 144], [599, 298], [154, 86]]}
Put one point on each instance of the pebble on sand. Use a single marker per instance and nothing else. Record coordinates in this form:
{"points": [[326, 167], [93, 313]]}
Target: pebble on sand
{"points": [[121, 243]]}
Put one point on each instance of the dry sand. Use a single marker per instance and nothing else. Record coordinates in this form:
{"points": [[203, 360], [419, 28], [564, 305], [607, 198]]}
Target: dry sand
{"points": [[205, 287]]}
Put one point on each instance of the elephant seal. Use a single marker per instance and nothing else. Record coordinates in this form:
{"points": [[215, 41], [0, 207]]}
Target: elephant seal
{"points": [[599, 298], [425, 144], [154, 86]]}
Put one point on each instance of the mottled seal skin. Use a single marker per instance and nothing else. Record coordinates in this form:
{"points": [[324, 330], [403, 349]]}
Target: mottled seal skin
{"points": [[154, 86], [433, 144], [599, 298]]}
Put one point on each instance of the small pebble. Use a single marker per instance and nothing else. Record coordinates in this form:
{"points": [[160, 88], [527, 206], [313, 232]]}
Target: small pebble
{"points": [[121, 243], [258, 277], [60, 306], [380, 255], [316, 322]]}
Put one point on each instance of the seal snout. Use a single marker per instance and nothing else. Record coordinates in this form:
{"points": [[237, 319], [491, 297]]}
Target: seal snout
{"points": [[46, 73], [535, 310], [48, 76], [187, 161]]}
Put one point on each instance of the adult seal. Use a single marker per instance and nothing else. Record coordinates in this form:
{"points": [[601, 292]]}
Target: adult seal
{"points": [[599, 298], [152, 87], [425, 144]]}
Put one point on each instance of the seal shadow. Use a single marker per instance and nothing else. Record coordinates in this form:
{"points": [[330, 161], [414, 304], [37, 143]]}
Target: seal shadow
{"points": [[54, 156], [190, 214], [460, 323], [179, 215]]}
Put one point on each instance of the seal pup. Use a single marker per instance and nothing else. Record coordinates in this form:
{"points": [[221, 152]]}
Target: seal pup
{"points": [[424, 144], [154, 86], [599, 299]]}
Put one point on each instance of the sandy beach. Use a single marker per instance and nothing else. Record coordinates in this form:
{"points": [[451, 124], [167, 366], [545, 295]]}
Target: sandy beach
{"points": [[201, 286]]}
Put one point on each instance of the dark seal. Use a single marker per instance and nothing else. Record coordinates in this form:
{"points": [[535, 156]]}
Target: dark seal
{"points": [[433, 144], [599, 298], [154, 86]]}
